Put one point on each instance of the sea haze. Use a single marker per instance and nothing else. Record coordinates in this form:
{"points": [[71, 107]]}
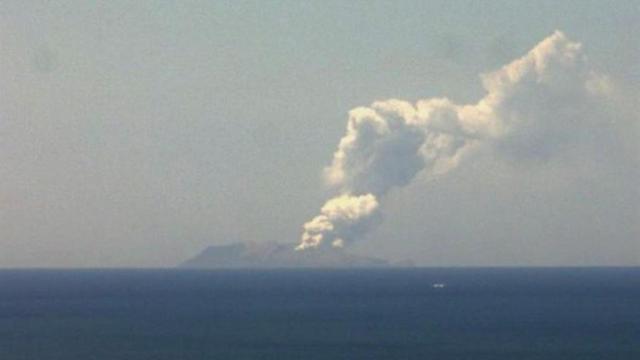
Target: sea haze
{"points": [[471, 313]]}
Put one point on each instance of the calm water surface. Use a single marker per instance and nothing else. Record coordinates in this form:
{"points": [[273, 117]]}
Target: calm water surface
{"points": [[479, 314]]}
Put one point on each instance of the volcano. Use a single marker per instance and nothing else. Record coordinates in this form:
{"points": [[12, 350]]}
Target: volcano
{"points": [[248, 255]]}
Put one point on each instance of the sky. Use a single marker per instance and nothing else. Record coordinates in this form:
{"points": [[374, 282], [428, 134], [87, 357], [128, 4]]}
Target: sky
{"points": [[136, 133]]}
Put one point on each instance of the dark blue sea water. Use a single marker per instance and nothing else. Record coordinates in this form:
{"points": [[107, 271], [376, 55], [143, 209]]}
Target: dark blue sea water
{"points": [[480, 314]]}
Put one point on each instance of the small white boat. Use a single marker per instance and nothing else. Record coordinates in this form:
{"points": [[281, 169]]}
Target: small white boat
{"points": [[438, 285]]}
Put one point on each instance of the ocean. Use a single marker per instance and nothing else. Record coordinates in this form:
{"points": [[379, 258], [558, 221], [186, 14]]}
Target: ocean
{"points": [[470, 313]]}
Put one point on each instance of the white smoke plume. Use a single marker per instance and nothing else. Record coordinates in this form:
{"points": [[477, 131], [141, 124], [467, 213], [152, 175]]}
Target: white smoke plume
{"points": [[532, 108]]}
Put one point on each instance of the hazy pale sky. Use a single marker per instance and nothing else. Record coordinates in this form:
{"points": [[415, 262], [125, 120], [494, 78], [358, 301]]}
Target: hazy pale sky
{"points": [[136, 133]]}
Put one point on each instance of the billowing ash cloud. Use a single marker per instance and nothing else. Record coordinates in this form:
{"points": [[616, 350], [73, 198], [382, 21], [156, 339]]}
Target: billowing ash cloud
{"points": [[341, 218], [533, 107]]}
